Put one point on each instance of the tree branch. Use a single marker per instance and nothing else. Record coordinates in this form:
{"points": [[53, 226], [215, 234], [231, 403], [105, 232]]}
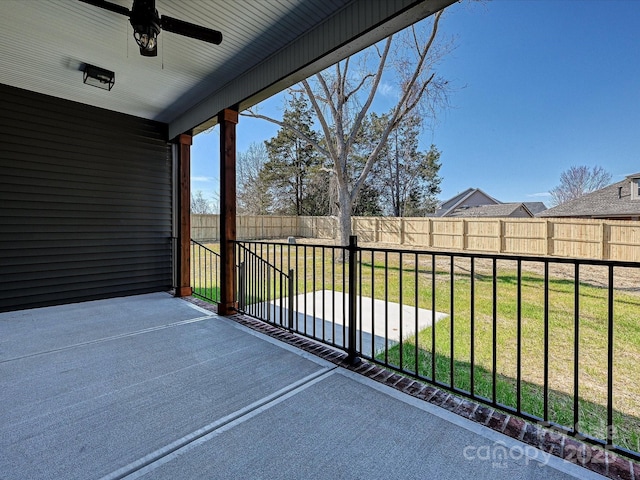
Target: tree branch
{"points": [[294, 130]]}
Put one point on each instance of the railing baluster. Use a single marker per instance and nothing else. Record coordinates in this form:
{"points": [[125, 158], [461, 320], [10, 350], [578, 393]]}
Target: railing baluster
{"points": [[576, 351], [416, 266], [386, 307], [345, 316], [400, 310], [304, 253], [314, 290], [472, 326], [610, 337], [519, 338], [352, 352], [333, 297], [546, 343], [373, 305], [290, 298], [452, 322], [433, 317], [494, 359]]}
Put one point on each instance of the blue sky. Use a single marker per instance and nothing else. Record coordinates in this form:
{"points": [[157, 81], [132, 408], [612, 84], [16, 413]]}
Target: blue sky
{"points": [[540, 85]]}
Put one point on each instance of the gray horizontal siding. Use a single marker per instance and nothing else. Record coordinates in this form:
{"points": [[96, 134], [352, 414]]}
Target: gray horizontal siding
{"points": [[85, 202]]}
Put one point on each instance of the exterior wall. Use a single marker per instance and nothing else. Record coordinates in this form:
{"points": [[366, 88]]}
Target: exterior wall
{"points": [[85, 202], [477, 199], [520, 213]]}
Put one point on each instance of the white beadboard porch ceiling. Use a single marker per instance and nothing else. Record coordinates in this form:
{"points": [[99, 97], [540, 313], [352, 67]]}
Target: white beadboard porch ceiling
{"points": [[267, 45]]}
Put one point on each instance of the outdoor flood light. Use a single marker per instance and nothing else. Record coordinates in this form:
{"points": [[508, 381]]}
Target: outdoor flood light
{"points": [[98, 77]]}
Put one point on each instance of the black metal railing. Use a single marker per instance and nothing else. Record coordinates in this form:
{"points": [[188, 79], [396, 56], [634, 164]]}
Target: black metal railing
{"points": [[552, 340], [319, 284], [205, 272], [264, 290]]}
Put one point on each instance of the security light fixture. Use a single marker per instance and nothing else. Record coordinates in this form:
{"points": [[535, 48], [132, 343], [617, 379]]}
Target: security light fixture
{"points": [[98, 77]]}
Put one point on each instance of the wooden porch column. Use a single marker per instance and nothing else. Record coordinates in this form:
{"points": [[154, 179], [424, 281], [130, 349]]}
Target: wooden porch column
{"points": [[183, 289], [227, 119]]}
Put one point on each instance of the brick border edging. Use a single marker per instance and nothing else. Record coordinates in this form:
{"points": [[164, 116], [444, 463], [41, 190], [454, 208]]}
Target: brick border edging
{"points": [[591, 457]]}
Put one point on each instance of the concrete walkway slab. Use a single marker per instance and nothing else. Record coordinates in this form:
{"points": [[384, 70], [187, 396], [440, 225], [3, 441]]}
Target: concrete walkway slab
{"points": [[323, 315], [171, 392]]}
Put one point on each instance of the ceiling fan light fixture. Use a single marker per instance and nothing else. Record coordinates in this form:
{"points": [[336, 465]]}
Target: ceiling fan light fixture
{"points": [[98, 77], [145, 21], [146, 41]]}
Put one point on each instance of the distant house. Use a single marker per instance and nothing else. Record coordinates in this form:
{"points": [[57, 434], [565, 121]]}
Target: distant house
{"points": [[619, 201], [512, 210], [471, 197], [473, 202]]}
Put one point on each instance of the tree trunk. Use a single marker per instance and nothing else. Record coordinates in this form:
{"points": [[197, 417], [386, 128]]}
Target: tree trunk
{"points": [[344, 216]]}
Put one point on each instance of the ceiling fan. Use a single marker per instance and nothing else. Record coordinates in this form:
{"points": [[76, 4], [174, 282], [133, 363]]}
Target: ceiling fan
{"points": [[147, 24]]}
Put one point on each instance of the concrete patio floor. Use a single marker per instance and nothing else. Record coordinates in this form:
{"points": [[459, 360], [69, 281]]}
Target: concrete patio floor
{"points": [[152, 386]]}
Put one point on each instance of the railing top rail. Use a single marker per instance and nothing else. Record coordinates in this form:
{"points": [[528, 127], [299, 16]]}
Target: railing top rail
{"points": [[205, 247], [285, 244], [463, 254], [512, 257]]}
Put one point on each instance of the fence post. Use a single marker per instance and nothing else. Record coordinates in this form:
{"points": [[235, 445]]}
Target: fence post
{"points": [[352, 354], [290, 299]]}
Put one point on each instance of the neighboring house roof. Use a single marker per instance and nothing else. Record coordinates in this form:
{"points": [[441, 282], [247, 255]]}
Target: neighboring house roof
{"points": [[615, 200], [535, 207], [500, 210], [479, 198]]}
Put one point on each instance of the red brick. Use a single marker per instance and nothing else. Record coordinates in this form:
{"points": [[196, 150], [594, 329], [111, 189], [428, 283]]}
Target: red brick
{"points": [[403, 383], [533, 435], [620, 469], [413, 388], [515, 427], [597, 459], [382, 375], [427, 393], [466, 408], [363, 368], [452, 403], [440, 397], [393, 379], [482, 414], [497, 421], [375, 371], [573, 451], [551, 443]]}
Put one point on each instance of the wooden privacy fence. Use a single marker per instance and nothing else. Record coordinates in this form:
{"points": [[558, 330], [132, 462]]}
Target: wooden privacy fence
{"points": [[575, 238]]}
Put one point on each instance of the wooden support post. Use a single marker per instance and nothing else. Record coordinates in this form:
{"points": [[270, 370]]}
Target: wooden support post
{"points": [[183, 288], [228, 120]]}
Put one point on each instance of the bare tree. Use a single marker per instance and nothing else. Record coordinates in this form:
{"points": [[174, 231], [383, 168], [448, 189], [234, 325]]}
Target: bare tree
{"points": [[576, 181], [342, 97], [201, 205], [252, 193]]}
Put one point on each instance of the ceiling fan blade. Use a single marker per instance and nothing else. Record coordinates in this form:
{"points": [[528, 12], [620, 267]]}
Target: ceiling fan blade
{"points": [[112, 7], [191, 30]]}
